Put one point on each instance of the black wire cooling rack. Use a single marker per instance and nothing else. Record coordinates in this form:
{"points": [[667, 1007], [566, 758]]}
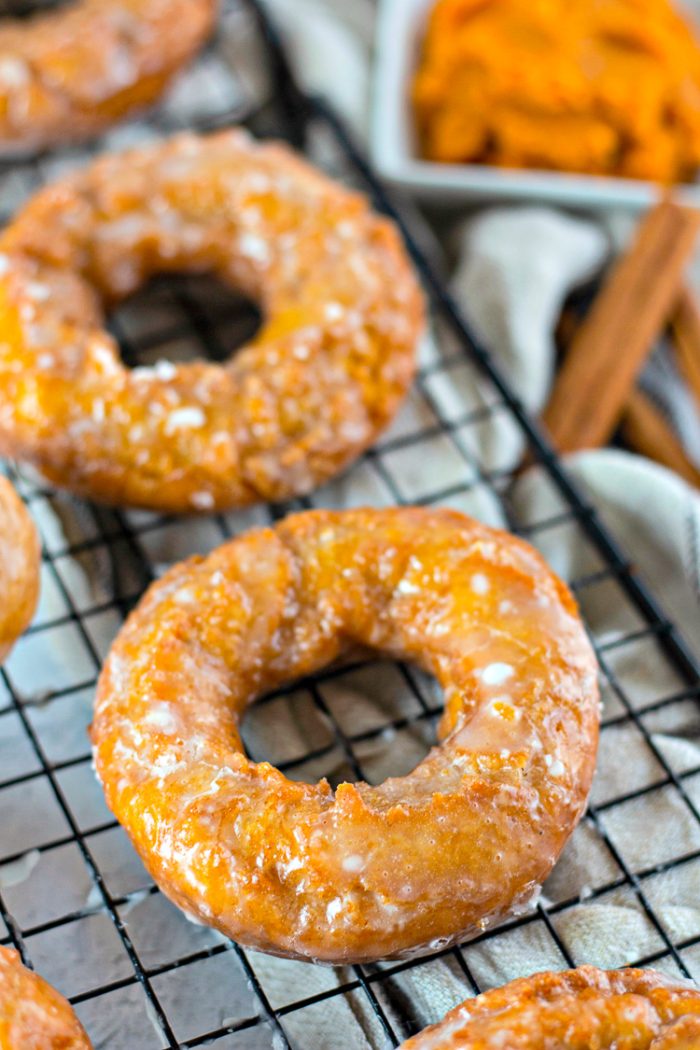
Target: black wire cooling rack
{"points": [[74, 899]]}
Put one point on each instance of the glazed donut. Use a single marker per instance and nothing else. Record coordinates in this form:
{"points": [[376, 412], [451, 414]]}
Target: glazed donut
{"points": [[324, 375], [19, 567], [33, 1016], [575, 1010], [362, 872], [68, 74]]}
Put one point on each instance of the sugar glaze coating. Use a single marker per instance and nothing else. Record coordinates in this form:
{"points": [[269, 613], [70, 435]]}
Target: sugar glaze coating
{"points": [[19, 567], [322, 378], [33, 1016], [362, 872], [66, 75], [574, 1010]]}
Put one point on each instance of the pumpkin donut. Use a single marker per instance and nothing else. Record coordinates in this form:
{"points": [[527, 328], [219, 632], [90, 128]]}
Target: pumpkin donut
{"points": [[362, 872], [33, 1016], [19, 567], [574, 1010], [68, 74], [325, 374]]}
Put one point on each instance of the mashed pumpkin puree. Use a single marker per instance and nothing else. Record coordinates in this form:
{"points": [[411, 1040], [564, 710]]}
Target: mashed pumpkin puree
{"points": [[609, 87]]}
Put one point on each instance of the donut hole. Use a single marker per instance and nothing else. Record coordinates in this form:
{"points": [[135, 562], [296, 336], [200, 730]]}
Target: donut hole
{"points": [[373, 721], [182, 318], [27, 8]]}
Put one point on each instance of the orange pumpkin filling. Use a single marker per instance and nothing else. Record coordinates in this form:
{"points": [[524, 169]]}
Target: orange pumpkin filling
{"points": [[608, 87]]}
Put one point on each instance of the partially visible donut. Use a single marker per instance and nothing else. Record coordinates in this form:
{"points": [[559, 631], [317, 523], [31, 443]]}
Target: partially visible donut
{"points": [[363, 872], [326, 373], [33, 1016], [575, 1010], [19, 567], [68, 74]]}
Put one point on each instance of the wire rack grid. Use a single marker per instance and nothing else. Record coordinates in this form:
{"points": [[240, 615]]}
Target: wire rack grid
{"points": [[75, 900]]}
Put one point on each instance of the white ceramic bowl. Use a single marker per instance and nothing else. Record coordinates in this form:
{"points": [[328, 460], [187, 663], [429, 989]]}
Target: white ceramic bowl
{"points": [[400, 29]]}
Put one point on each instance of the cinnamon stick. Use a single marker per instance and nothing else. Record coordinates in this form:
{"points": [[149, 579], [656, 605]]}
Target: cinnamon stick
{"points": [[685, 333], [611, 345], [645, 430]]}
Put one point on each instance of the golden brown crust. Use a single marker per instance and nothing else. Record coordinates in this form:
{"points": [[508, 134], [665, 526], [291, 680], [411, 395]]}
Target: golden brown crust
{"points": [[33, 1016], [68, 74], [323, 377], [574, 1010], [19, 567], [363, 872]]}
